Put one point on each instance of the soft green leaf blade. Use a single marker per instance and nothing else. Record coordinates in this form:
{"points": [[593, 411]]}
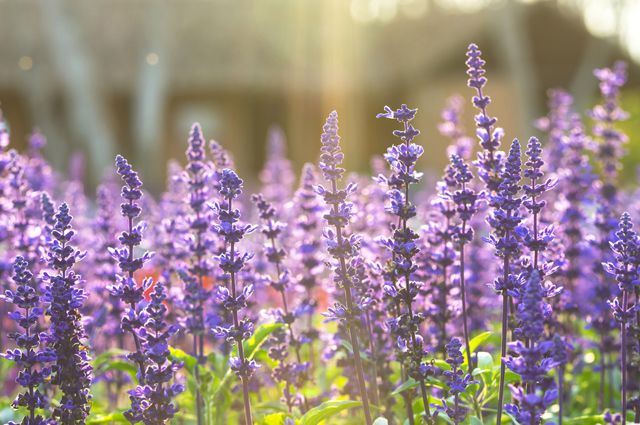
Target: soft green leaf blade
{"points": [[326, 410], [476, 421], [112, 418], [381, 421], [188, 360], [585, 420], [406, 385]]}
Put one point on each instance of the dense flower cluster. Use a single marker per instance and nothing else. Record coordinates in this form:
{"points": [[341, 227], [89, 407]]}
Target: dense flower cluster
{"points": [[152, 403], [71, 372], [232, 261], [482, 298], [29, 354]]}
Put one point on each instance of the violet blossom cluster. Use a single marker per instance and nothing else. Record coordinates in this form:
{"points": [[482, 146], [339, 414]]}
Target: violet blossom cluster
{"points": [[72, 372], [232, 261], [126, 288], [30, 355]]}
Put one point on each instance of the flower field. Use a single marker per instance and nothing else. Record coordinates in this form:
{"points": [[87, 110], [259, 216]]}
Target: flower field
{"points": [[506, 293]]}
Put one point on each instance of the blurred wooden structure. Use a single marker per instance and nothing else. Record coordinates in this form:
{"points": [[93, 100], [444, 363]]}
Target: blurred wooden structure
{"points": [[130, 76]]}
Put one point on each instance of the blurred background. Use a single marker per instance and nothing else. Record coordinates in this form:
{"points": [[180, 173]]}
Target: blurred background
{"points": [[102, 77]]}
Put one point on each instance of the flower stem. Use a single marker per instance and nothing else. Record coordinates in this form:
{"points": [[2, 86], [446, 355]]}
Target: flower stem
{"points": [[503, 342]]}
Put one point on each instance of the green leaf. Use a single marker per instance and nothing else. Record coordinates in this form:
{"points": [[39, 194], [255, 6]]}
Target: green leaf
{"points": [[251, 347], [476, 421], [474, 344], [325, 410], [122, 366], [117, 418], [485, 360], [381, 421], [406, 385], [274, 419], [585, 420], [107, 356], [188, 360]]}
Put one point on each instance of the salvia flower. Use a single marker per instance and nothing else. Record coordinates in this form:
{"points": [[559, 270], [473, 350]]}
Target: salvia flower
{"points": [[291, 373], [342, 247], [533, 357], [232, 261], [126, 288], [29, 355], [72, 372], [152, 403], [403, 288], [457, 382], [626, 251], [490, 159]]}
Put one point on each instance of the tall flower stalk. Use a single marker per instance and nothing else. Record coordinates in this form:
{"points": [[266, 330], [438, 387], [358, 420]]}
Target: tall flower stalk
{"points": [[505, 221], [291, 373], [457, 382], [342, 247], [534, 356], [126, 287], [152, 403], [626, 251], [402, 160], [197, 176], [72, 372], [466, 201], [29, 354], [232, 261]]}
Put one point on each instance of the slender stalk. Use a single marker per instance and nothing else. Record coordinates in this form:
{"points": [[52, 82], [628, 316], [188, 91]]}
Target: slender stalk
{"points": [[198, 339], [560, 393], [351, 329], [503, 342], [374, 355], [136, 340], [236, 323], [623, 359], [463, 291]]}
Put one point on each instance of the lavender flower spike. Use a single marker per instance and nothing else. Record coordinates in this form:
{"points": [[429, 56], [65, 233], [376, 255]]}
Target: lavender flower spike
{"points": [[234, 299], [489, 161], [626, 251], [126, 288], [505, 221], [534, 357], [72, 372], [342, 247], [152, 404], [28, 355]]}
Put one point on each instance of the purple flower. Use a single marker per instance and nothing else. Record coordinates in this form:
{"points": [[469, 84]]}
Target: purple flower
{"points": [[126, 288], [29, 355], [152, 403], [457, 382], [232, 261], [72, 372], [343, 248], [490, 159]]}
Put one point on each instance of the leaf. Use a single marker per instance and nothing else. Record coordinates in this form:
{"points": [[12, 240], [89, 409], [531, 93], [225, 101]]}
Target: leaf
{"points": [[485, 360], [325, 410], [476, 421], [407, 385], [122, 366], [107, 356], [381, 421], [251, 347], [585, 420], [111, 418], [188, 360], [474, 344], [274, 419]]}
